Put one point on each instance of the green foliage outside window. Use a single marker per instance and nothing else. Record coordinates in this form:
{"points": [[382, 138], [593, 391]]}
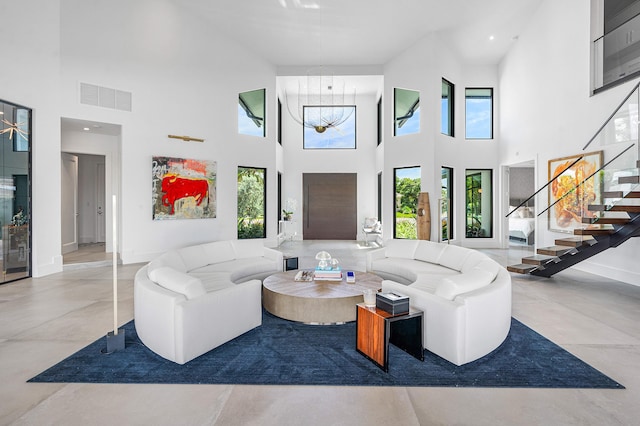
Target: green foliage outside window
{"points": [[251, 203]]}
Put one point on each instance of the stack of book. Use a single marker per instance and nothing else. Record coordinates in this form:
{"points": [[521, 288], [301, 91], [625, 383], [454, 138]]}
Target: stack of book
{"points": [[328, 275]]}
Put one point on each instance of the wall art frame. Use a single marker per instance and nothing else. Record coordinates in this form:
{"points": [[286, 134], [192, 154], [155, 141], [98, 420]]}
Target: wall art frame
{"points": [[569, 200], [183, 188]]}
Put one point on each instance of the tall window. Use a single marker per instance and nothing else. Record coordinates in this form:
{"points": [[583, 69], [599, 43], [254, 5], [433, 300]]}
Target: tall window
{"points": [[446, 108], [479, 113], [380, 196], [406, 189], [446, 207], [479, 203], [252, 205], [380, 121]]}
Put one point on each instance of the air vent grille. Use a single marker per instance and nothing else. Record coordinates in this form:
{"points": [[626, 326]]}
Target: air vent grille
{"points": [[105, 97]]}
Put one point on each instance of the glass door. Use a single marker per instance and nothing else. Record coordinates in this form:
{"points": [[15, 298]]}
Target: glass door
{"points": [[15, 191]]}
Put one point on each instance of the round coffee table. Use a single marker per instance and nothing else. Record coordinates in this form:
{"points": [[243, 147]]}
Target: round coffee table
{"points": [[316, 302]]}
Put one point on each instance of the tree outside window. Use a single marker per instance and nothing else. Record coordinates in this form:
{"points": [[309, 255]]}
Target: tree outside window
{"points": [[406, 189], [251, 202]]}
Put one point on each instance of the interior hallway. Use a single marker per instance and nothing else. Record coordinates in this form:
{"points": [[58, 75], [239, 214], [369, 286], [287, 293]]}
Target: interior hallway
{"points": [[43, 320]]}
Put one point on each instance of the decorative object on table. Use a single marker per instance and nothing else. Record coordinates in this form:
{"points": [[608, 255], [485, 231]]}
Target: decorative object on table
{"points": [[323, 259], [286, 215], [328, 274], [369, 297], [328, 269], [351, 277], [183, 188], [423, 211], [574, 184], [305, 276], [394, 303]]}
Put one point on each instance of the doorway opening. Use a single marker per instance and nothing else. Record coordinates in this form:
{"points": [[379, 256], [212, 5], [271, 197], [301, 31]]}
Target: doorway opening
{"points": [[83, 208], [90, 170], [522, 222]]}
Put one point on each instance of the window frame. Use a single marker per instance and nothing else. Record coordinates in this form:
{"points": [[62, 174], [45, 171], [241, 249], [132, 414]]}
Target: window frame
{"points": [[466, 112], [468, 202], [353, 116], [450, 113], [395, 219], [450, 198], [264, 204]]}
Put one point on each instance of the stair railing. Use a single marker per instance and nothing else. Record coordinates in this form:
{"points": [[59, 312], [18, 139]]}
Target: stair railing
{"points": [[584, 186]]}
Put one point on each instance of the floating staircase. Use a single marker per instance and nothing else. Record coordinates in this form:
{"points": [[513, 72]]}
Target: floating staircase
{"points": [[599, 234]]}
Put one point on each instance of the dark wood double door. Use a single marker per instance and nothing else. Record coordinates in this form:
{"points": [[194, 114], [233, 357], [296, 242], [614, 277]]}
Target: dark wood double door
{"points": [[330, 206]]}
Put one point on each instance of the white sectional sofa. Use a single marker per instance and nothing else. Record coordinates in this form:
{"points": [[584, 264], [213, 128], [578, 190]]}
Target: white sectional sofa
{"points": [[191, 300], [465, 295]]}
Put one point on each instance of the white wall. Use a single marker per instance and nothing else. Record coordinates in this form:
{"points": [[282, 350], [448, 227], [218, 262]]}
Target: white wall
{"points": [[422, 67], [361, 160], [179, 86], [547, 111], [31, 31]]}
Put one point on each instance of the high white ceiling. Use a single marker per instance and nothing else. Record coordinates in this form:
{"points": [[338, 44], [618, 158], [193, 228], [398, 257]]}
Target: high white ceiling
{"points": [[357, 33], [365, 32]]}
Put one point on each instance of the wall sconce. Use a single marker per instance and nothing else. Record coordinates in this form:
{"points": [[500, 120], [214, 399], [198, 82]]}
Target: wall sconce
{"points": [[186, 138]]}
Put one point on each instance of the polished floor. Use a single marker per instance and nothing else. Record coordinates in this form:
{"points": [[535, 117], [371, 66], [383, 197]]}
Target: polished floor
{"points": [[44, 320]]}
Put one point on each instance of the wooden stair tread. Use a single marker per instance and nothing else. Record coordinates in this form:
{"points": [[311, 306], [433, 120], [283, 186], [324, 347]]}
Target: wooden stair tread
{"points": [[606, 220], [574, 241], [616, 208], [596, 229], [538, 259], [521, 268], [554, 250], [620, 194], [629, 179]]}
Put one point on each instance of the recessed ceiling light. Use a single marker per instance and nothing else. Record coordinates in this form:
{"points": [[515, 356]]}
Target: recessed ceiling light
{"points": [[86, 129], [491, 37]]}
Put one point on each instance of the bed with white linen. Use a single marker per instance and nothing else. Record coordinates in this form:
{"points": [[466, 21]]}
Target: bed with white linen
{"points": [[522, 224]]}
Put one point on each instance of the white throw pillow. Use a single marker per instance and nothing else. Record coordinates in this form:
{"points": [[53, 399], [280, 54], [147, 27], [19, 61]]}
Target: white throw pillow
{"points": [[428, 251], [400, 248], [194, 257], [451, 287], [171, 259], [179, 282]]}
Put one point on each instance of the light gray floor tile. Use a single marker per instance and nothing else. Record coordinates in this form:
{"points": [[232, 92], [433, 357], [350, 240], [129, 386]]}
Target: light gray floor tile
{"points": [[43, 320]]}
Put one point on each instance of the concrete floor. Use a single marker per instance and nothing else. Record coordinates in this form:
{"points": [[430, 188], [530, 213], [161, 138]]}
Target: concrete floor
{"points": [[44, 320]]}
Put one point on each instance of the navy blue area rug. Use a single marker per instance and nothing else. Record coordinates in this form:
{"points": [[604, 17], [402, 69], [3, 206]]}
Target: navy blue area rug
{"points": [[282, 352]]}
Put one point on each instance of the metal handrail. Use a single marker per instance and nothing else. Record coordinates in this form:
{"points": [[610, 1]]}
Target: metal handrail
{"points": [[547, 184], [612, 115], [626, 98]]}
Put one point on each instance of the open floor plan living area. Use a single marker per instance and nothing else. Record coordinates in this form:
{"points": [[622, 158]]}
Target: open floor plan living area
{"points": [[285, 212], [44, 320]]}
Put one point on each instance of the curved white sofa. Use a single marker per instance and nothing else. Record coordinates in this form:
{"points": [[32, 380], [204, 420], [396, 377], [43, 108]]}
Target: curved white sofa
{"points": [[465, 295], [191, 300]]}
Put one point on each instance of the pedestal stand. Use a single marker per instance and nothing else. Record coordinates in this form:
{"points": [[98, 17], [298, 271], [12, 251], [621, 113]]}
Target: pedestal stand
{"points": [[115, 342]]}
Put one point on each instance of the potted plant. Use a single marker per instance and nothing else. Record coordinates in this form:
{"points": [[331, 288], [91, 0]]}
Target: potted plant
{"points": [[286, 214]]}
